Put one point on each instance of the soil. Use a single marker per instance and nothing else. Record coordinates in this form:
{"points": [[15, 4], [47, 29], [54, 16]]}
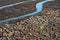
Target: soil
{"points": [[29, 28]]}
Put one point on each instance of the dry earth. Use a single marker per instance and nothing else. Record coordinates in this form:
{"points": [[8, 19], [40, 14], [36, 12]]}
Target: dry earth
{"points": [[29, 28]]}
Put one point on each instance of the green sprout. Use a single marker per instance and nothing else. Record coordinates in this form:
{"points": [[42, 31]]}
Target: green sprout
{"points": [[41, 27]]}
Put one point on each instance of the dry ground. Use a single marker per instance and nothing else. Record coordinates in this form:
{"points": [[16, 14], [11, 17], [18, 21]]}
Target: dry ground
{"points": [[28, 28]]}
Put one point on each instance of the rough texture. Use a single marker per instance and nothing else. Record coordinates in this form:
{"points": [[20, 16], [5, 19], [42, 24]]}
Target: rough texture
{"points": [[28, 28]]}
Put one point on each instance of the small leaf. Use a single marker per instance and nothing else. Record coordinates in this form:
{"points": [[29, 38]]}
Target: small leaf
{"points": [[41, 27]]}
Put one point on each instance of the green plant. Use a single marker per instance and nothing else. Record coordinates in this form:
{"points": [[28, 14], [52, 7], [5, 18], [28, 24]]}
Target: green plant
{"points": [[41, 27]]}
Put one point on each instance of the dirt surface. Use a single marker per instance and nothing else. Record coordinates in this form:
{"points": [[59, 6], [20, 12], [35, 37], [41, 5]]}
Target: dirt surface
{"points": [[29, 28]]}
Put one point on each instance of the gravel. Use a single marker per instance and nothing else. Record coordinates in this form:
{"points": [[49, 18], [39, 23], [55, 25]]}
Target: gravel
{"points": [[29, 28]]}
